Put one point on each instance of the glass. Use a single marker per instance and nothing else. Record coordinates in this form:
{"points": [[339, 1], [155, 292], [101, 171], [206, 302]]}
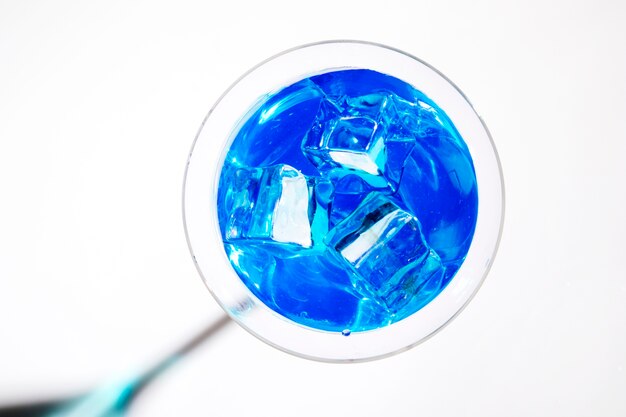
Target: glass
{"points": [[205, 234]]}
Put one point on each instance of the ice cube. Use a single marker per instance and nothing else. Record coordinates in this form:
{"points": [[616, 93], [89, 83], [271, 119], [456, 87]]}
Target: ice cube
{"points": [[384, 246], [429, 122], [237, 196], [370, 136], [321, 190], [276, 204]]}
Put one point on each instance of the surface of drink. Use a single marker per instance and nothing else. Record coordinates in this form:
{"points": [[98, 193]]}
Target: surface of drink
{"points": [[347, 200]]}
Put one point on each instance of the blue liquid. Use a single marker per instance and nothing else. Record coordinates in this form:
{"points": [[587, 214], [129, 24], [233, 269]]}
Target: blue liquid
{"points": [[347, 201]]}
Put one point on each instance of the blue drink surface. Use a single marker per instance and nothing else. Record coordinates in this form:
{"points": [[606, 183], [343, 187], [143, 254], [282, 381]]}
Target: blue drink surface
{"points": [[347, 201]]}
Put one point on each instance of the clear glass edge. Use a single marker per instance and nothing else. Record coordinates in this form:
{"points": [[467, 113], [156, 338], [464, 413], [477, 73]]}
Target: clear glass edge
{"points": [[229, 310]]}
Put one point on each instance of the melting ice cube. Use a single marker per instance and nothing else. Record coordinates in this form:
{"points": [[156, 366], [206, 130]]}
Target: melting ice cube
{"points": [[370, 136], [429, 122], [384, 246], [276, 204]]}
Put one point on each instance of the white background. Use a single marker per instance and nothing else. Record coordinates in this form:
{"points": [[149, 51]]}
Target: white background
{"points": [[99, 104]]}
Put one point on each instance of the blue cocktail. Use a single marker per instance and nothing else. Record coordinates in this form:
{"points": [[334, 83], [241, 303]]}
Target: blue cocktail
{"points": [[333, 190], [347, 200]]}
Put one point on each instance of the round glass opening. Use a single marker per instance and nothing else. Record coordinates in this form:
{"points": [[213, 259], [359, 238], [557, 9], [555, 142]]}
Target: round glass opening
{"points": [[343, 201]]}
